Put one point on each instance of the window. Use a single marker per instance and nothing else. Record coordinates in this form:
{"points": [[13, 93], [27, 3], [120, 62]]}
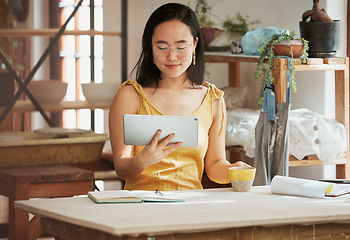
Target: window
{"points": [[75, 54]]}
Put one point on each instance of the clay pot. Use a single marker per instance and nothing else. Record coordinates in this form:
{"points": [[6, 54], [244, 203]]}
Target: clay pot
{"points": [[209, 34], [282, 48], [323, 37]]}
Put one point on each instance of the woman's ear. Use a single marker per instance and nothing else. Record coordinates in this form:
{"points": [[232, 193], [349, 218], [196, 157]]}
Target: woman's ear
{"points": [[195, 42]]}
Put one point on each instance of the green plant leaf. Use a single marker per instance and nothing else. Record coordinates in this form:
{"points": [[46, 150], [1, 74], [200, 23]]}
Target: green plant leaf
{"points": [[264, 70]]}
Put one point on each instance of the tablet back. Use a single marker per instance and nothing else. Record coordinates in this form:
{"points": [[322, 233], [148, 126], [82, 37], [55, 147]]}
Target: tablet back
{"points": [[140, 129]]}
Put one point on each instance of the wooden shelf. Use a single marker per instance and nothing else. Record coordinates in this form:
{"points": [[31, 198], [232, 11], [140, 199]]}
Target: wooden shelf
{"points": [[226, 57], [323, 67], [27, 106], [55, 34], [339, 65], [310, 160], [51, 32]]}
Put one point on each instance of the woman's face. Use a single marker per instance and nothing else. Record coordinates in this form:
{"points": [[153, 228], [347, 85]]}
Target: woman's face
{"points": [[173, 47]]}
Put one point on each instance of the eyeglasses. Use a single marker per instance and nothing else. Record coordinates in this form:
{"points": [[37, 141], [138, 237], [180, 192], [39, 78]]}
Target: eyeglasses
{"points": [[163, 49]]}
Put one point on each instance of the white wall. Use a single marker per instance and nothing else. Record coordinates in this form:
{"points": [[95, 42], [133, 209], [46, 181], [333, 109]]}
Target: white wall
{"points": [[138, 14], [315, 89]]}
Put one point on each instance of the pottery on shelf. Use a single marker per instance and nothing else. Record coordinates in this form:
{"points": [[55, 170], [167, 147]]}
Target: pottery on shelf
{"points": [[48, 91], [100, 93], [323, 37], [284, 48], [209, 34]]}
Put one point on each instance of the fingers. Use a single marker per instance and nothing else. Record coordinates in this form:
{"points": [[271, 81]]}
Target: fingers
{"points": [[156, 136], [246, 165], [240, 164], [168, 150], [167, 140], [158, 149], [162, 143]]}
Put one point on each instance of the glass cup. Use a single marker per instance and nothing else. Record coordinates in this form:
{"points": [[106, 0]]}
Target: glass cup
{"points": [[242, 178]]}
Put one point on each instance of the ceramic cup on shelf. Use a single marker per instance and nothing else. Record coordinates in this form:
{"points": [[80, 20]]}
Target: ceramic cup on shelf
{"points": [[242, 178], [48, 91], [100, 93]]}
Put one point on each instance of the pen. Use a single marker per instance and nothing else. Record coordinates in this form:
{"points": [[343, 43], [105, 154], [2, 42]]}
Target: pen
{"points": [[159, 193], [343, 181]]}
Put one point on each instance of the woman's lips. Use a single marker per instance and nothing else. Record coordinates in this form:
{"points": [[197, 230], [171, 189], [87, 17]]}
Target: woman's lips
{"points": [[172, 66]]}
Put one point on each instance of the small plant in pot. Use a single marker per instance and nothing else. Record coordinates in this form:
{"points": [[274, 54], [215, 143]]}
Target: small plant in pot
{"points": [[203, 11], [284, 44], [218, 37], [321, 31], [238, 25]]}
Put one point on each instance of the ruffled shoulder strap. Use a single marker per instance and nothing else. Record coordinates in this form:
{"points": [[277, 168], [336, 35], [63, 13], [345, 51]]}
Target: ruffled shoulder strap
{"points": [[146, 106], [217, 94], [214, 91], [137, 86]]}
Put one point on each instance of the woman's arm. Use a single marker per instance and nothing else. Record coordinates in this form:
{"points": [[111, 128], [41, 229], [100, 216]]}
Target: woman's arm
{"points": [[126, 101], [216, 165], [127, 165]]}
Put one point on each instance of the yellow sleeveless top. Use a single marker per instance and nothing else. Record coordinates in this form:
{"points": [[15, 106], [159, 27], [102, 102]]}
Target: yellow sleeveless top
{"points": [[183, 168]]}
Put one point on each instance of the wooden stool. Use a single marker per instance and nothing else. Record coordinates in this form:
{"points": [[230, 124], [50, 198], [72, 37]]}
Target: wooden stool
{"points": [[22, 183], [103, 169]]}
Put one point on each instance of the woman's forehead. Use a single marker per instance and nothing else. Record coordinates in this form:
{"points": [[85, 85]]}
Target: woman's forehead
{"points": [[173, 31]]}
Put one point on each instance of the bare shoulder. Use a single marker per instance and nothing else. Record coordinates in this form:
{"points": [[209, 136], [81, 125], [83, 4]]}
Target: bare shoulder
{"points": [[201, 89], [126, 97], [127, 91]]}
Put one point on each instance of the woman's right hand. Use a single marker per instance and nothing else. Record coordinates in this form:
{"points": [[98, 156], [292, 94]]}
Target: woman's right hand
{"points": [[157, 150]]}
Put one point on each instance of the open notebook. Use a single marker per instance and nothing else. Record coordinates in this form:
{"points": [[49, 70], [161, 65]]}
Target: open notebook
{"points": [[135, 196]]}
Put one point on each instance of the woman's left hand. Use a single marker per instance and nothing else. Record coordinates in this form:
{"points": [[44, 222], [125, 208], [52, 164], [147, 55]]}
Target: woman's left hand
{"points": [[240, 164]]}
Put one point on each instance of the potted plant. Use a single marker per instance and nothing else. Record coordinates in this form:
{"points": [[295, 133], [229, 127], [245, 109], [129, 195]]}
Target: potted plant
{"points": [[203, 11], [237, 26], [285, 44], [321, 31], [229, 30]]}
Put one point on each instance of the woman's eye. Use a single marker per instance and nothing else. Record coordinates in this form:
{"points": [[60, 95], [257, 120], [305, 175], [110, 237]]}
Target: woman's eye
{"points": [[180, 48], [162, 48]]}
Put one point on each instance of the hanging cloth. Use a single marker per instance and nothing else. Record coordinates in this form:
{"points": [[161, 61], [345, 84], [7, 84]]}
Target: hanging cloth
{"points": [[271, 136]]}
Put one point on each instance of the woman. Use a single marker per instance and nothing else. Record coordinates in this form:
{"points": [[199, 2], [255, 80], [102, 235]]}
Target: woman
{"points": [[169, 81]]}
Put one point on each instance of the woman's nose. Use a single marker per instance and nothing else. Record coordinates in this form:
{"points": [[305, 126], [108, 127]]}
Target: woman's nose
{"points": [[172, 55]]}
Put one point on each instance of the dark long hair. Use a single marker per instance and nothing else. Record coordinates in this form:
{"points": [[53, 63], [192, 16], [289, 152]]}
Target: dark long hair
{"points": [[147, 72]]}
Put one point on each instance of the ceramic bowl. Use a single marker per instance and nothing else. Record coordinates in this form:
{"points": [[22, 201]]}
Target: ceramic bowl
{"points": [[100, 93], [283, 49], [48, 91]]}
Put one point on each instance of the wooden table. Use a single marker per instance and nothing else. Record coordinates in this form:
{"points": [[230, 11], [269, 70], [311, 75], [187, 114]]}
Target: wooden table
{"points": [[206, 214]]}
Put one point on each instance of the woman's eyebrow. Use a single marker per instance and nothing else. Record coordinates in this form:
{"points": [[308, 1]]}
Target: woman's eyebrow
{"points": [[164, 42], [160, 41]]}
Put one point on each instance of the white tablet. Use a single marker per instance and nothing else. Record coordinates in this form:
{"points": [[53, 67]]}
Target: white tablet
{"points": [[140, 129]]}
